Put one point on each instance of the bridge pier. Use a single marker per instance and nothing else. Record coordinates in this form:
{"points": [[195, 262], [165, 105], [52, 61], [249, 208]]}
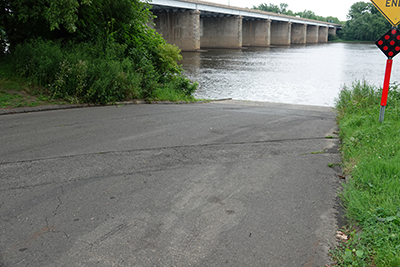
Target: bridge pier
{"points": [[323, 35], [280, 33], [256, 32], [299, 33], [221, 32], [181, 28], [312, 34], [192, 25]]}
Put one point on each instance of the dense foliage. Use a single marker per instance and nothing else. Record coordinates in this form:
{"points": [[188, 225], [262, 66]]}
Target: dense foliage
{"points": [[90, 50], [283, 9], [365, 23]]}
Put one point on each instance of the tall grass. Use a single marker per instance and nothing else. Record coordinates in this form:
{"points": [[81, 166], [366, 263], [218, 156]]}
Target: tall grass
{"points": [[371, 157], [93, 73]]}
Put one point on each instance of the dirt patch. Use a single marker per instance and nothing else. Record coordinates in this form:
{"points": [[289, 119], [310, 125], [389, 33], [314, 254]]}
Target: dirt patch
{"points": [[10, 98]]}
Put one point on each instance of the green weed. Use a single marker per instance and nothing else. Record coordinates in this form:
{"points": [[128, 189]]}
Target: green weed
{"points": [[317, 152], [370, 152], [332, 165], [8, 99]]}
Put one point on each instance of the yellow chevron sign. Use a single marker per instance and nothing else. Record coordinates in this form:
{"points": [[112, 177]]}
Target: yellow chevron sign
{"points": [[390, 9]]}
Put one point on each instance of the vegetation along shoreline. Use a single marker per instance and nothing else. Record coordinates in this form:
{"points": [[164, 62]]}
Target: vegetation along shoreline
{"points": [[99, 52]]}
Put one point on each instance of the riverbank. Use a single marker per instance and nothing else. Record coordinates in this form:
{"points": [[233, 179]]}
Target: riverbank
{"points": [[351, 41], [18, 93], [371, 195]]}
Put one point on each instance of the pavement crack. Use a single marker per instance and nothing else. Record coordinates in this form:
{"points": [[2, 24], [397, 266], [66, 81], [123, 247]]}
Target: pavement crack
{"points": [[164, 148], [60, 232], [87, 178], [66, 235], [115, 230], [171, 157], [59, 201], [32, 186]]}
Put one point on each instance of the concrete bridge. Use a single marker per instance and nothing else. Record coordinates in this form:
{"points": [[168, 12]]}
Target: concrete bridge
{"points": [[192, 25]]}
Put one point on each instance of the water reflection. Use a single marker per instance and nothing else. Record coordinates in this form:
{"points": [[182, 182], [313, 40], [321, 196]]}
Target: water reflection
{"points": [[309, 74]]}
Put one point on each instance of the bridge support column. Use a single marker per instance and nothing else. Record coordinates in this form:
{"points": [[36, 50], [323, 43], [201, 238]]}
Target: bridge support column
{"points": [[256, 32], [180, 28], [332, 31], [281, 33], [323, 35], [312, 34], [221, 32], [299, 33]]}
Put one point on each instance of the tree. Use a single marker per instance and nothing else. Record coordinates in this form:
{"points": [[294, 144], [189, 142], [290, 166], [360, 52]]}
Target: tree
{"points": [[307, 14], [269, 8], [104, 48], [333, 20], [359, 8], [25, 19], [365, 23], [283, 9], [70, 19]]}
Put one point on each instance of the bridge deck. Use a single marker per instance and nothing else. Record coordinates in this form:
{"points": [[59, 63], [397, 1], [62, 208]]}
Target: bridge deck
{"points": [[214, 9]]}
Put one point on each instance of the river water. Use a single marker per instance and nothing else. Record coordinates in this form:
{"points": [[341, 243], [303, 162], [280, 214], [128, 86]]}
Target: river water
{"points": [[307, 74]]}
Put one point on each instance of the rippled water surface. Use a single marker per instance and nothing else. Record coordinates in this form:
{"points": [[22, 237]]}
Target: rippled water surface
{"points": [[310, 74]]}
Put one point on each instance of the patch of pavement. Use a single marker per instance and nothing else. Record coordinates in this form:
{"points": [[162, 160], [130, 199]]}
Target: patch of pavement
{"points": [[218, 184]]}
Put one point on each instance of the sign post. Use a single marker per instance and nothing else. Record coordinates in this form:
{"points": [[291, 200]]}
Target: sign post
{"points": [[385, 90], [389, 43]]}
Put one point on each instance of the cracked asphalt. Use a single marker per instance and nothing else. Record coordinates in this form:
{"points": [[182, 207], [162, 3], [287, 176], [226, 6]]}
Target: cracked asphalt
{"points": [[229, 183]]}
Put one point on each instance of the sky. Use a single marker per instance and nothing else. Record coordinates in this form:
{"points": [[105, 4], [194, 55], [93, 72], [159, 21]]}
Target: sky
{"points": [[325, 8]]}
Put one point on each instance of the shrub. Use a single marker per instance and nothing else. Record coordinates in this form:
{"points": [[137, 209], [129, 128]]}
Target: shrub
{"points": [[99, 74]]}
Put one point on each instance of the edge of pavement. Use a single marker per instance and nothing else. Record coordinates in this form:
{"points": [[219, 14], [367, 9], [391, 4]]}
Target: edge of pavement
{"points": [[9, 111]]}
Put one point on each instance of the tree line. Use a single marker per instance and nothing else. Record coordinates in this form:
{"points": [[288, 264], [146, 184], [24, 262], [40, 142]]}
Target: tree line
{"points": [[365, 22], [283, 9]]}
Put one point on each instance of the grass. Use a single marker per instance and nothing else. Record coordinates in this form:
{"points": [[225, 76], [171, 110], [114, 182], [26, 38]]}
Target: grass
{"points": [[317, 152], [333, 165], [169, 94], [17, 92], [20, 92], [371, 197]]}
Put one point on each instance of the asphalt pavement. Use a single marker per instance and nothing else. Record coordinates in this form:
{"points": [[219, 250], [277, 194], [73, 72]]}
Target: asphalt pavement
{"points": [[229, 183]]}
